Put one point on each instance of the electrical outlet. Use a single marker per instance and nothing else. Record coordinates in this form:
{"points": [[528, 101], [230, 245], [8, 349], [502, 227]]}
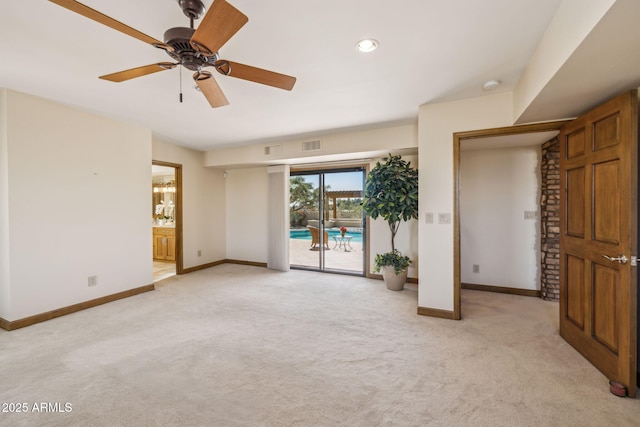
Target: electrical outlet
{"points": [[530, 214], [92, 281], [444, 218], [199, 252], [476, 268]]}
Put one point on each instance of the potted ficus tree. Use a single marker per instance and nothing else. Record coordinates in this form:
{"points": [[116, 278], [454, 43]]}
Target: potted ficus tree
{"points": [[391, 192]]}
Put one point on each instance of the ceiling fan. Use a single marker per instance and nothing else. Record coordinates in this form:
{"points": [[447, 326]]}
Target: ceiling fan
{"points": [[192, 48]]}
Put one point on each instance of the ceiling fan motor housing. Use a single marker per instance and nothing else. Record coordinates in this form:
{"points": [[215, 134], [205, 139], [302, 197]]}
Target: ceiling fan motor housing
{"points": [[178, 39], [192, 9]]}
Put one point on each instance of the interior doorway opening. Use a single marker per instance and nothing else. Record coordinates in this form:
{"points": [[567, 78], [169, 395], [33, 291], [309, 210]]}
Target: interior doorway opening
{"points": [[484, 139], [598, 219], [166, 211]]}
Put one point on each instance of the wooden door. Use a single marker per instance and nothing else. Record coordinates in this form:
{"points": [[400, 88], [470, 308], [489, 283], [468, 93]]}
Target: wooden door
{"points": [[598, 211]]}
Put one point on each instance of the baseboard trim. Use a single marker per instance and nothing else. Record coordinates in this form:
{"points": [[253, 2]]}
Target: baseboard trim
{"points": [[202, 267], [42, 317], [223, 261], [502, 290], [241, 262], [434, 312], [412, 280]]}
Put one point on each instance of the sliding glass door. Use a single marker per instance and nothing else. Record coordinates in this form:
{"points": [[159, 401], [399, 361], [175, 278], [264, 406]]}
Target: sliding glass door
{"points": [[327, 226]]}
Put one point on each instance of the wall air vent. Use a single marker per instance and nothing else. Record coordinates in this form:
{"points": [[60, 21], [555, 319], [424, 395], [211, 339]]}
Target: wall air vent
{"points": [[272, 150], [311, 145]]}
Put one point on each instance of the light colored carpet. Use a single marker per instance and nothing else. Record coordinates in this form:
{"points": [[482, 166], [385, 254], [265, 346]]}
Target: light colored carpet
{"points": [[245, 346]]}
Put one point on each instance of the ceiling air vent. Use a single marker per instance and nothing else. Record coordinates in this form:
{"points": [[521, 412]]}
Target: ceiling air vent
{"points": [[272, 150], [311, 145]]}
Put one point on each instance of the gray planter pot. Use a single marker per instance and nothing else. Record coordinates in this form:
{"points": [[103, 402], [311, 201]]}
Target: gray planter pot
{"points": [[394, 282]]}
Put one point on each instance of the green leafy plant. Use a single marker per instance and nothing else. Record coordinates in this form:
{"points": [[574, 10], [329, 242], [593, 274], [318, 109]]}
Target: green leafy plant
{"points": [[391, 192], [396, 259], [302, 198]]}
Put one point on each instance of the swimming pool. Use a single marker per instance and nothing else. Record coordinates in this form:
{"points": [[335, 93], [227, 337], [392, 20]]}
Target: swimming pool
{"points": [[304, 234]]}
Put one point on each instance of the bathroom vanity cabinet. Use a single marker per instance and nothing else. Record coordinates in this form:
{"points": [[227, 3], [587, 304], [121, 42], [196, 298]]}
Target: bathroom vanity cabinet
{"points": [[164, 243]]}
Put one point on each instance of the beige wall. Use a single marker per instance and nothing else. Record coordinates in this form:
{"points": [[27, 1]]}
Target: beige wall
{"points": [[5, 290], [496, 188], [203, 204], [246, 204], [247, 195], [335, 146], [438, 123], [573, 21], [78, 186]]}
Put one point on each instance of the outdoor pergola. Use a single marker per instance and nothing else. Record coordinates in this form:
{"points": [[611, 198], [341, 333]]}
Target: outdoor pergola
{"points": [[335, 195]]}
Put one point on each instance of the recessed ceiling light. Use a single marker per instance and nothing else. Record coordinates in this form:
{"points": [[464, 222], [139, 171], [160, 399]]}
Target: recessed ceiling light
{"points": [[491, 85], [367, 45]]}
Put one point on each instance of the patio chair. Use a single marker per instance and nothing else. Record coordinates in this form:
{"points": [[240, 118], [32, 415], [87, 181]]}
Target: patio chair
{"points": [[315, 237]]}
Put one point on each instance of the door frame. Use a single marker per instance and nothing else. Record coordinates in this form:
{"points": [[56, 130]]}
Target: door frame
{"points": [[178, 178], [458, 137]]}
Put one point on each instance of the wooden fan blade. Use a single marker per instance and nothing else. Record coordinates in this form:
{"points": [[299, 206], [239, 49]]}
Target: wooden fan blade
{"points": [[219, 24], [254, 74], [210, 89], [138, 72], [87, 12]]}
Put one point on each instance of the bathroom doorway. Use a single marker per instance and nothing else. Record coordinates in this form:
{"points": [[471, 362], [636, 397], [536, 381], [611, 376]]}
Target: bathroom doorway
{"points": [[166, 210]]}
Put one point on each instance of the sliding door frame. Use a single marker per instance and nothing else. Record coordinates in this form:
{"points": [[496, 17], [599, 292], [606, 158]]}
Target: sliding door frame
{"points": [[321, 170]]}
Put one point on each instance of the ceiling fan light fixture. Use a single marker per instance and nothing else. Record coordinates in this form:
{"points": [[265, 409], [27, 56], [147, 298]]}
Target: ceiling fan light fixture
{"points": [[367, 45]]}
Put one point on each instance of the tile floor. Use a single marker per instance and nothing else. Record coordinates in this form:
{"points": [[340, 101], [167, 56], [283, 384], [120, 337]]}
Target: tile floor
{"points": [[162, 270], [337, 257]]}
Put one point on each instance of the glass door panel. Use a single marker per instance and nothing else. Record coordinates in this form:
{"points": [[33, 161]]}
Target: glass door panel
{"points": [[344, 221], [305, 221]]}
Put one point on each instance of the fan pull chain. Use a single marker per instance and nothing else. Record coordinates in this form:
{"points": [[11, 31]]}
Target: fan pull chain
{"points": [[181, 85]]}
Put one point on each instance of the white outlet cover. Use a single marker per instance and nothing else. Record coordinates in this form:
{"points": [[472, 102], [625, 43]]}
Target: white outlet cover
{"points": [[444, 218]]}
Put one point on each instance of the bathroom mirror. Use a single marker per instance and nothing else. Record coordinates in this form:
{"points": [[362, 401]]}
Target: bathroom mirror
{"points": [[164, 196]]}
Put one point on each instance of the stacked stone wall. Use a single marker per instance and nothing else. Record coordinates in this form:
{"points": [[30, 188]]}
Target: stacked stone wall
{"points": [[550, 221]]}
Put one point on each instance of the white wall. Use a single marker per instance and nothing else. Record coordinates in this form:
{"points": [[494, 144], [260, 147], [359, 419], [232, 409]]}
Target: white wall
{"points": [[5, 291], [437, 124], [78, 186], [246, 200], [203, 207], [496, 188], [359, 144], [573, 21], [246, 204]]}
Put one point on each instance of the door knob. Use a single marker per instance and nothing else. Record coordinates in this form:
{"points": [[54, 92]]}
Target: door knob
{"points": [[621, 259]]}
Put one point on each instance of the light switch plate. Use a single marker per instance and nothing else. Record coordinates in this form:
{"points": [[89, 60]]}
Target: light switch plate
{"points": [[428, 218]]}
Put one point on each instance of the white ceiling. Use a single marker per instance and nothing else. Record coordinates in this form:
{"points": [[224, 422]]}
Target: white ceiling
{"points": [[430, 50]]}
